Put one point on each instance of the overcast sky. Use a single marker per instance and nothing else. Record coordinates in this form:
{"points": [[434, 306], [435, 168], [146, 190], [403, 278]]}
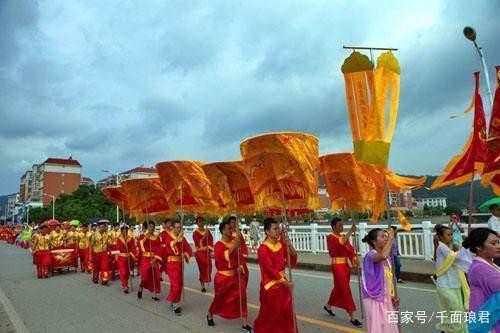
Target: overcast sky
{"points": [[117, 84]]}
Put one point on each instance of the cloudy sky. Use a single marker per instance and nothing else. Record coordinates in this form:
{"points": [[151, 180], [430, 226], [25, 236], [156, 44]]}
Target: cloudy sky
{"points": [[117, 84]]}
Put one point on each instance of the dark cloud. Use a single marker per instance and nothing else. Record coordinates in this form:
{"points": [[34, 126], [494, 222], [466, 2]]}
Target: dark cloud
{"points": [[123, 84]]}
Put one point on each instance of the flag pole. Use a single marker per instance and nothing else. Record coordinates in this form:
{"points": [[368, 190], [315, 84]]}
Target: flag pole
{"points": [[288, 259], [471, 203], [356, 247]]}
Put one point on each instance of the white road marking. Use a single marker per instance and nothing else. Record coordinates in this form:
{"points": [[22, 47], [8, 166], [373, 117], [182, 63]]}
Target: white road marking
{"points": [[12, 314]]}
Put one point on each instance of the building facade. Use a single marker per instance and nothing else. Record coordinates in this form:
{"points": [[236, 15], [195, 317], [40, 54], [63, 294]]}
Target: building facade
{"points": [[139, 172], [53, 177], [433, 202]]}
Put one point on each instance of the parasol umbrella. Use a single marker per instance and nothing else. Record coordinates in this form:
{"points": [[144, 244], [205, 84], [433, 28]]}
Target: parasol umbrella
{"points": [[76, 223], [144, 196], [282, 171], [486, 205], [116, 195]]}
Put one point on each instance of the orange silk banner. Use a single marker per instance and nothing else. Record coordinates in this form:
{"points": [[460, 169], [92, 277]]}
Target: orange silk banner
{"points": [[461, 167], [241, 197], [145, 196], [219, 187], [491, 171], [189, 179], [359, 187], [116, 195], [372, 97], [282, 164]]}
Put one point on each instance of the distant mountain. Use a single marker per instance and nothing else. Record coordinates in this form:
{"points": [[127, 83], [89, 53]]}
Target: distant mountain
{"points": [[456, 195]]}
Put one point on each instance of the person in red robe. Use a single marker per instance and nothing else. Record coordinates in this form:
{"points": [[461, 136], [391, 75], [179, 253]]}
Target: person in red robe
{"points": [[141, 236], [204, 245], [230, 301], [41, 253], [99, 243], [243, 251], [165, 240], [342, 259], [84, 248], [150, 248], [126, 246], [176, 250], [276, 313]]}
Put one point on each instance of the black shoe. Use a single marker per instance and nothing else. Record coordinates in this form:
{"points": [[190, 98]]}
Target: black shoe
{"points": [[139, 294], [125, 290], [247, 328], [95, 281], [356, 323], [104, 283], [210, 321], [203, 290], [178, 311], [155, 298], [330, 312]]}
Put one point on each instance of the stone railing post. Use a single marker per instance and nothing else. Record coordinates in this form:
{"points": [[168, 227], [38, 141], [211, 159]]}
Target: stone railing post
{"points": [[314, 238], [362, 231], [427, 241]]}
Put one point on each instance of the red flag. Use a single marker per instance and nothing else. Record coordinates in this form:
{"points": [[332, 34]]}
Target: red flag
{"points": [[461, 167], [491, 171]]}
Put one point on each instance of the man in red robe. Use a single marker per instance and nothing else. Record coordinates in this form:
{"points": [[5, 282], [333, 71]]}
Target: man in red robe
{"points": [[342, 257], [41, 252], [243, 251], [230, 301], [204, 245], [150, 248], [99, 243], [176, 250], [165, 240], [276, 313], [126, 246]]}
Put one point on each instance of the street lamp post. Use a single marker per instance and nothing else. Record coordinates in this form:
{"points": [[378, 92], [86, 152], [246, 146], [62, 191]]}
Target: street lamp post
{"points": [[117, 177], [470, 34], [53, 204]]}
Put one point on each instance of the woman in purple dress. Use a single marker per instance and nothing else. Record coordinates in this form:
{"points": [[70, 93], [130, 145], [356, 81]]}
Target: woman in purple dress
{"points": [[484, 276], [378, 289]]}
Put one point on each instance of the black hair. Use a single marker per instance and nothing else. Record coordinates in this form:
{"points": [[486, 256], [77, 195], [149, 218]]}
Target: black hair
{"points": [[115, 224], [232, 217], [167, 220], [176, 221], [393, 227], [493, 206], [151, 223], [371, 237], [439, 229], [199, 218], [223, 224], [144, 225], [268, 221], [334, 222], [476, 238]]}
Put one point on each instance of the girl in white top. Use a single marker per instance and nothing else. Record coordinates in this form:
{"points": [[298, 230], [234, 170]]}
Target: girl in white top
{"points": [[452, 288]]}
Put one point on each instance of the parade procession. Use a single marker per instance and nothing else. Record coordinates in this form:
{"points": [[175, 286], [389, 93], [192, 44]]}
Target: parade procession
{"points": [[354, 185]]}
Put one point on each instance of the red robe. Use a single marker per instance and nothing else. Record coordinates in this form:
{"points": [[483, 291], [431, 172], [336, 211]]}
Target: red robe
{"points": [[150, 248], [204, 244], [139, 252], [226, 303], [276, 301], [243, 258], [175, 267], [165, 238], [126, 258], [100, 256], [41, 254], [341, 296]]}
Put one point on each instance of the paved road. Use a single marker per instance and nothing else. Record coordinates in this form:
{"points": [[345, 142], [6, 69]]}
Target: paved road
{"points": [[72, 303]]}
